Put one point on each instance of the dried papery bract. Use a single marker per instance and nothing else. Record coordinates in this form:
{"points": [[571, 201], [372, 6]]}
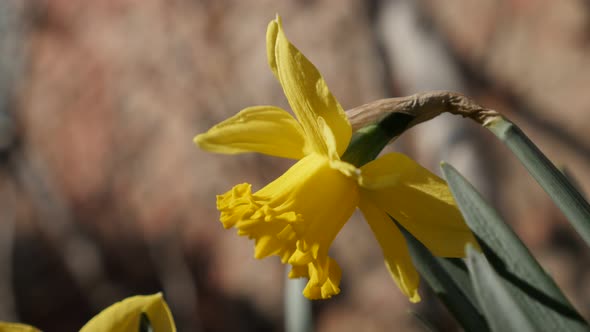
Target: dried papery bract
{"points": [[420, 107]]}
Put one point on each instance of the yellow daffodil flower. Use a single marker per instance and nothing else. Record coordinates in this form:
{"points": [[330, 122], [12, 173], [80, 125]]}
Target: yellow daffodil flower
{"points": [[124, 316], [297, 216]]}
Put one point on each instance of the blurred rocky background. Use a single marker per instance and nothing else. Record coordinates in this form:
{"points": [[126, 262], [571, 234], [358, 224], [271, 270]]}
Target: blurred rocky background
{"points": [[103, 195]]}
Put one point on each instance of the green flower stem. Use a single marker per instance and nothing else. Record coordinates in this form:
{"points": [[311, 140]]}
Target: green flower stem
{"points": [[367, 142], [298, 316], [563, 193]]}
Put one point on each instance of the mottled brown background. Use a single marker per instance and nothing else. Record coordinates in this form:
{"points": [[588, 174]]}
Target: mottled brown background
{"points": [[103, 195]]}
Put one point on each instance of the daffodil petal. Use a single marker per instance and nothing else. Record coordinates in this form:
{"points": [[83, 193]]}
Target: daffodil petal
{"points": [[306, 91], [265, 129], [419, 200], [17, 327], [125, 315], [329, 139], [397, 257]]}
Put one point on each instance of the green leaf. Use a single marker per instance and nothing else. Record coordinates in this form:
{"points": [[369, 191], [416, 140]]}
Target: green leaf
{"points": [[444, 284], [502, 309], [561, 191], [529, 284], [457, 270]]}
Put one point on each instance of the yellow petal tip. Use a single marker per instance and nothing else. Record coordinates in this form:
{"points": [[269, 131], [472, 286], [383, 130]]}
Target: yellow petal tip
{"points": [[415, 299], [198, 139], [203, 143]]}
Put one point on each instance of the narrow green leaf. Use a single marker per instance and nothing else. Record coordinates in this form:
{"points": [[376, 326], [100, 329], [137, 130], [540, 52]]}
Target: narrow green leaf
{"points": [[529, 284], [561, 191], [457, 270], [503, 311], [443, 284]]}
